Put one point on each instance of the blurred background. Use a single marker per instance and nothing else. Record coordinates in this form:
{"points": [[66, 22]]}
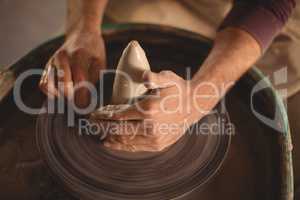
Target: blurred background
{"points": [[26, 24]]}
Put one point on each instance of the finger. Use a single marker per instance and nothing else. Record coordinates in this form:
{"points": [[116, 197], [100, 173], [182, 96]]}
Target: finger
{"points": [[147, 147], [137, 140], [121, 131], [79, 75], [130, 113], [64, 74], [114, 145], [47, 83], [160, 80], [45, 73], [105, 112], [94, 70], [119, 145]]}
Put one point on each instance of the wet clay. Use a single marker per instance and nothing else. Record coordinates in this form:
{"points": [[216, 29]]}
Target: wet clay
{"points": [[128, 82]]}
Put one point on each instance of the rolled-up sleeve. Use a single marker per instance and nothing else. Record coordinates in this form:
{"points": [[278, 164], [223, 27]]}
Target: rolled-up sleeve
{"points": [[262, 19]]}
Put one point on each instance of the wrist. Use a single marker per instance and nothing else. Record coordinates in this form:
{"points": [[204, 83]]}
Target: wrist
{"points": [[85, 27], [85, 16], [207, 91]]}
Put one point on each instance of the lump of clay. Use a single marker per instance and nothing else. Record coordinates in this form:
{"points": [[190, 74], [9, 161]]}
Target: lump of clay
{"points": [[128, 83]]}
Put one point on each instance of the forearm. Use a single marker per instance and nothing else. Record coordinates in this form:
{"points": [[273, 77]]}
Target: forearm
{"points": [[233, 53], [87, 14], [244, 35]]}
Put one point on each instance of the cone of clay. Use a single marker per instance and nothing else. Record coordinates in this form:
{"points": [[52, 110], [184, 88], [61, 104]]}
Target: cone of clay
{"points": [[128, 82]]}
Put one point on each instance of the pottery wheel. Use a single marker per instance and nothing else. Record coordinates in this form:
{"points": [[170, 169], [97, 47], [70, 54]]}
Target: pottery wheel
{"points": [[90, 171]]}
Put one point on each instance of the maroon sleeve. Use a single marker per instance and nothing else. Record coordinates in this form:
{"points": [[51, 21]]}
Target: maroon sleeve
{"points": [[263, 19]]}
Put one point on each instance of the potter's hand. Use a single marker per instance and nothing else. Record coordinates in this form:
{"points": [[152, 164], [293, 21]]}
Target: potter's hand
{"points": [[158, 120], [80, 58]]}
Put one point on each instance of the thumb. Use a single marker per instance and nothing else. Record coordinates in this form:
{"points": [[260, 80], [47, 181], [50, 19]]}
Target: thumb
{"points": [[162, 79]]}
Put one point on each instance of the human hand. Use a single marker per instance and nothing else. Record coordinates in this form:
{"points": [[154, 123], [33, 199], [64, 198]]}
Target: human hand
{"points": [[79, 59], [160, 119]]}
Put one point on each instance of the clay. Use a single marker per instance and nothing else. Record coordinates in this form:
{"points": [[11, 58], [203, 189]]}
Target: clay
{"points": [[128, 82]]}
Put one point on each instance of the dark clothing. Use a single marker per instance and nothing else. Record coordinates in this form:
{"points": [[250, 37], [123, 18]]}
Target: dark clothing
{"points": [[263, 19]]}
